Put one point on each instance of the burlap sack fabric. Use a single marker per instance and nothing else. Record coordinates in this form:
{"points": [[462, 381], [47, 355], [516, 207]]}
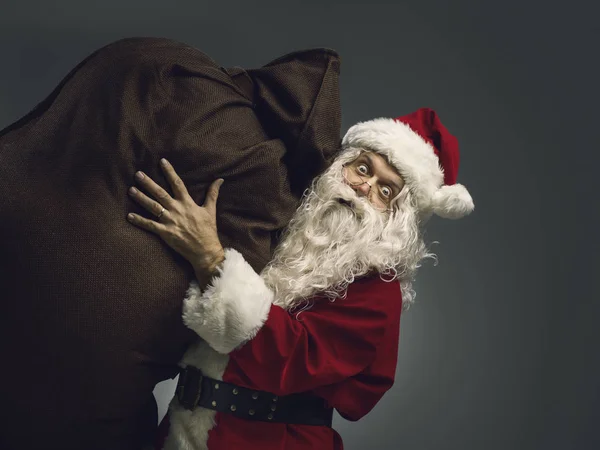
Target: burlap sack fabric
{"points": [[91, 304]]}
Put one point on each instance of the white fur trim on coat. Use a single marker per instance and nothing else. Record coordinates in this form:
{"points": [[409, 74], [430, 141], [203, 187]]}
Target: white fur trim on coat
{"points": [[233, 307], [189, 429], [417, 163]]}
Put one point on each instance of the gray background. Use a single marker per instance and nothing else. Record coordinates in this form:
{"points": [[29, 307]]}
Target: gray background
{"points": [[500, 350]]}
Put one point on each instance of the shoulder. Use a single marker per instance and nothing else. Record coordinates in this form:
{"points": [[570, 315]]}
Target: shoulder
{"points": [[374, 285], [368, 293]]}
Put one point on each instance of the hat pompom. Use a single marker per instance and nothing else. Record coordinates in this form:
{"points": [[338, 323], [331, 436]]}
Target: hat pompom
{"points": [[452, 202]]}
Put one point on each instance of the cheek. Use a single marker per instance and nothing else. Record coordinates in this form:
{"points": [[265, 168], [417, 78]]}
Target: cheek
{"points": [[344, 179], [345, 174]]}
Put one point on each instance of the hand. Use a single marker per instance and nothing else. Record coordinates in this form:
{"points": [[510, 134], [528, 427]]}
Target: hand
{"points": [[189, 229]]}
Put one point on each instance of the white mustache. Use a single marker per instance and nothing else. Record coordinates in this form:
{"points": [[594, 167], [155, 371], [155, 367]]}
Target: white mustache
{"points": [[345, 194]]}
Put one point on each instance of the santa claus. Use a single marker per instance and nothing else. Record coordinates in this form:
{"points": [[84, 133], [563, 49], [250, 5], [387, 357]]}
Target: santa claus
{"points": [[318, 328]]}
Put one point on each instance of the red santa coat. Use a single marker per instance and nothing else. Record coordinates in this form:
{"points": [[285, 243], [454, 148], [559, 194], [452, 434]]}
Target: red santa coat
{"points": [[343, 351]]}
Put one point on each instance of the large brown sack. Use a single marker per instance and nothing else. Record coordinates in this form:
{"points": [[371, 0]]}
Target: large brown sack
{"points": [[91, 305]]}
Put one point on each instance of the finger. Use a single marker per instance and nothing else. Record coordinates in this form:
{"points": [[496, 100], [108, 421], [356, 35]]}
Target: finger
{"points": [[157, 192], [213, 194], [141, 198], [177, 184], [147, 224]]}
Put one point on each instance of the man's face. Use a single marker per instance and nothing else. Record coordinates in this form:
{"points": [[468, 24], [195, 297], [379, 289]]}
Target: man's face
{"points": [[338, 233], [371, 176]]}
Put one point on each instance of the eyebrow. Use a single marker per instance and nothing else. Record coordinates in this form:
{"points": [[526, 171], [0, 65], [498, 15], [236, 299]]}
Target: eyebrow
{"points": [[386, 179]]}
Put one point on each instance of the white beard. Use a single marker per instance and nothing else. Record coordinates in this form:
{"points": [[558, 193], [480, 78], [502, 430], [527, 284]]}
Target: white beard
{"points": [[328, 244]]}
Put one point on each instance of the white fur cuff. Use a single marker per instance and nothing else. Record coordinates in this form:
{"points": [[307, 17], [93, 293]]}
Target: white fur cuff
{"points": [[233, 307]]}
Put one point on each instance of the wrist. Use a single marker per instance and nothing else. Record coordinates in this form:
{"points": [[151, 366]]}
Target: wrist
{"points": [[215, 260], [206, 265]]}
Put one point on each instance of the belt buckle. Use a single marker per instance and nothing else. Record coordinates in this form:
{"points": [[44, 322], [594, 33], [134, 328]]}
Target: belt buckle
{"points": [[189, 387]]}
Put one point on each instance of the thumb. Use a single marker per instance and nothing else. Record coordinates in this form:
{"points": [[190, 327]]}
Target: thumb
{"points": [[213, 194]]}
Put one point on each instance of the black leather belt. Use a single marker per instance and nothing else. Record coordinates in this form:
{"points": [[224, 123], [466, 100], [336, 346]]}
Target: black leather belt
{"points": [[194, 389]]}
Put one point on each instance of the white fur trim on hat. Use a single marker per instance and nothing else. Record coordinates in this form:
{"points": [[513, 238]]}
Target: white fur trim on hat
{"points": [[232, 308], [417, 163]]}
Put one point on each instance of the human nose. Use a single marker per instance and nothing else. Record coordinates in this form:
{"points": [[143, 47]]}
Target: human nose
{"points": [[363, 188]]}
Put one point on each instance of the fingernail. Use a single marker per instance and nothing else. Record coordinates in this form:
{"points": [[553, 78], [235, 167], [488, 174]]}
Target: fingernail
{"points": [[139, 176], [163, 161]]}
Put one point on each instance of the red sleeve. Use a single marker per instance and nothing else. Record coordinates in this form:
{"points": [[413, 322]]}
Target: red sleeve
{"points": [[326, 344], [357, 396]]}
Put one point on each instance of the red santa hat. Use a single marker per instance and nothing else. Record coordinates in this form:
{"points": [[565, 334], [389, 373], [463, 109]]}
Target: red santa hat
{"points": [[425, 154]]}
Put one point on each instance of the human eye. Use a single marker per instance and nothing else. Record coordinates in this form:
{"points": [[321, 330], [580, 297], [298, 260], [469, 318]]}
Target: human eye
{"points": [[386, 191], [363, 169]]}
